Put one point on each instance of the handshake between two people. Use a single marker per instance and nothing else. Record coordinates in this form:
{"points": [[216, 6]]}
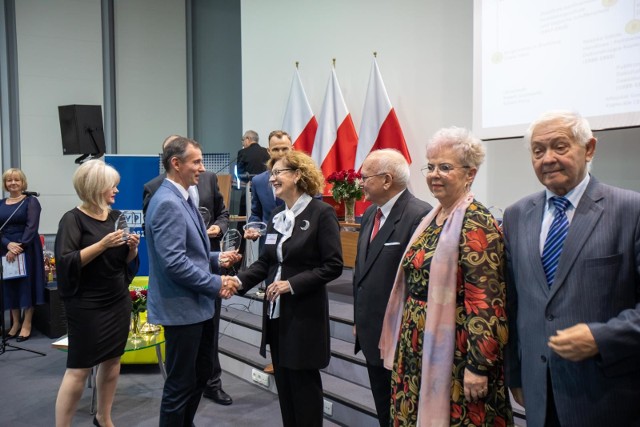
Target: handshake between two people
{"points": [[230, 286]]}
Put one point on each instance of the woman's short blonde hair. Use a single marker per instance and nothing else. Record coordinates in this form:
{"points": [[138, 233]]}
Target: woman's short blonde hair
{"points": [[311, 180], [11, 172], [92, 179]]}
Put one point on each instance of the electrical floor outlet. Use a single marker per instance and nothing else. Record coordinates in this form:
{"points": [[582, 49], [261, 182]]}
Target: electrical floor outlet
{"points": [[260, 377], [328, 407]]}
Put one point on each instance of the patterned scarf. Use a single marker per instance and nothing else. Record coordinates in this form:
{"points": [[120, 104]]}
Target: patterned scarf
{"points": [[439, 330]]}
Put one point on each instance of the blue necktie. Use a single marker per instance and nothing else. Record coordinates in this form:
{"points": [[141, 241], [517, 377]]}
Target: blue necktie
{"points": [[555, 239], [195, 210]]}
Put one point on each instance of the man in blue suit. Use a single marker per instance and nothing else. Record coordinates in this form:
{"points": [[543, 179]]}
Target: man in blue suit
{"points": [[573, 296], [263, 199], [182, 287]]}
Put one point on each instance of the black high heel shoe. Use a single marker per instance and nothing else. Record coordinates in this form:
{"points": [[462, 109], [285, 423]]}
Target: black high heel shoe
{"points": [[23, 338], [95, 421]]}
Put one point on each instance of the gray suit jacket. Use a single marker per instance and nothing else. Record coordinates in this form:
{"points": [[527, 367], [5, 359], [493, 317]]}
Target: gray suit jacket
{"points": [[598, 283], [376, 267], [182, 288]]}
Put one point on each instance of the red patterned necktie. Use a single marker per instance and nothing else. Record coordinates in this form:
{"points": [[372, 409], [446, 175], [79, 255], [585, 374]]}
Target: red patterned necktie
{"points": [[376, 224]]}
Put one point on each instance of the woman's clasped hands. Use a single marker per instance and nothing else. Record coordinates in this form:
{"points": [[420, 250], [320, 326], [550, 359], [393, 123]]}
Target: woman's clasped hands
{"points": [[13, 250]]}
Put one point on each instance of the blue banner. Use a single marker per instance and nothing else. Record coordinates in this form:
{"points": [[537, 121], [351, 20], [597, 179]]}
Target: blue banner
{"points": [[134, 171]]}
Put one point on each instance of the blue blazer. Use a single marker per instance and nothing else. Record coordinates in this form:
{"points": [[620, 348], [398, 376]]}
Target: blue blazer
{"points": [[182, 287], [597, 283], [263, 201]]}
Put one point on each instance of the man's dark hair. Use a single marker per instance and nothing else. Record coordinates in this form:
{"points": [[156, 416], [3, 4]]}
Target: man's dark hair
{"points": [[176, 148]]}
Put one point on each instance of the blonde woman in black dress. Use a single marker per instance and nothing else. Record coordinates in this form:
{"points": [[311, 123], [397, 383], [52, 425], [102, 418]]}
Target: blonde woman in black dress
{"points": [[95, 266]]}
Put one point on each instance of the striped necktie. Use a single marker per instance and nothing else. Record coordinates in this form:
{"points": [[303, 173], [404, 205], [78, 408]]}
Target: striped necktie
{"points": [[555, 239]]}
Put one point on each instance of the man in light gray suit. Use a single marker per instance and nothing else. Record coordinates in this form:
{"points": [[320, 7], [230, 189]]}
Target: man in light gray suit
{"points": [[573, 295], [182, 287], [385, 175]]}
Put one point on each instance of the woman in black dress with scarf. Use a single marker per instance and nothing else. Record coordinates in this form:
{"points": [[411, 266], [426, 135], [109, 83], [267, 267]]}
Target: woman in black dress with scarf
{"points": [[20, 218], [95, 266]]}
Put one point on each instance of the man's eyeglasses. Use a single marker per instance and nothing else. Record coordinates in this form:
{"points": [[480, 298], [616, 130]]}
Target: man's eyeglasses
{"points": [[444, 168], [276, 172], [365, 177]]}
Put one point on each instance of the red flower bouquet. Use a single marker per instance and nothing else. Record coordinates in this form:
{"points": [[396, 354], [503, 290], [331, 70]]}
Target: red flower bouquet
{"points": [[138, 300], [347, 184]]}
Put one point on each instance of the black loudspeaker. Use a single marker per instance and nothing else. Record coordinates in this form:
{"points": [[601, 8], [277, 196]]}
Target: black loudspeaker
{"points": [[50, 318], [81, 129]]}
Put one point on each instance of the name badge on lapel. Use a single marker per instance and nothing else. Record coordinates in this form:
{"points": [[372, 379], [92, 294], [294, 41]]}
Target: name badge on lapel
{"points": [[271, 239]]}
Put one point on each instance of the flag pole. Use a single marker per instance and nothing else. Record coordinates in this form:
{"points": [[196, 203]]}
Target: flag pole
{"points": [[297, 63], [334, 63], [375, 54]]}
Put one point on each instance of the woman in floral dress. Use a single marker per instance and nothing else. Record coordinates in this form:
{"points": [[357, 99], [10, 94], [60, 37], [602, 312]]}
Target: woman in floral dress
{"points": [[445, 325]]}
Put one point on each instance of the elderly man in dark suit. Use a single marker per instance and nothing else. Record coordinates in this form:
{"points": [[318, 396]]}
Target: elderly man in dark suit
{"points": [[386, 228], [574, 286], [180, 270]]}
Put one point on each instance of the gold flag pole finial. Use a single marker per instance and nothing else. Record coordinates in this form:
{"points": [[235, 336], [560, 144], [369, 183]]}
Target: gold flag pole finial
{"points": [[375, 54], [297, 63], [334, 62]]}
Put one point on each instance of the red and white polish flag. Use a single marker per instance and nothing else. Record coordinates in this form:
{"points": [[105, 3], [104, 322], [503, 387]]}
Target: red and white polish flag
{"points": [[299, 120], [380, 127], [334, 148]]}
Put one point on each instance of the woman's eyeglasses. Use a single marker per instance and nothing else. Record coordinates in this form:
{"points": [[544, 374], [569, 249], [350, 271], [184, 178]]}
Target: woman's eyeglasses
{"points": [[276, 172], [444, 168]]}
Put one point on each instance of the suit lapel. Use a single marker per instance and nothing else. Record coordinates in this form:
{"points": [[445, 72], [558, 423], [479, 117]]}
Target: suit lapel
{"points": [[385, 231], [365, 234], [197, 220], [584, 221], [532, 221]]}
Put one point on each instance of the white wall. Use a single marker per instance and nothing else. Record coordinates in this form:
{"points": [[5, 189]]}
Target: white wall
{"points": [[424, 54], [151, 73], [59, 63]]}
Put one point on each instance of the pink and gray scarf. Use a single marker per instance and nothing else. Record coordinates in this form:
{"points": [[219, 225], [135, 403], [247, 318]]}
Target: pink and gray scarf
{"points": [[439, 331]]}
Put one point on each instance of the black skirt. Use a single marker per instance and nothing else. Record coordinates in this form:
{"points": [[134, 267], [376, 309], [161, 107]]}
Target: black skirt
{"points": [[98, 333]]}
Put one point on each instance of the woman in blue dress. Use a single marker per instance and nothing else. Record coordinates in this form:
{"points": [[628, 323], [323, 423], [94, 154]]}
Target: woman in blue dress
{"points": [[20, 218]]}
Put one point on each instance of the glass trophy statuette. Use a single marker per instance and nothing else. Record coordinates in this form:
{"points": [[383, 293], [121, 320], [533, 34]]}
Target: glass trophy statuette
{"points": [[259, 227], [231, 240], [121, 224]]}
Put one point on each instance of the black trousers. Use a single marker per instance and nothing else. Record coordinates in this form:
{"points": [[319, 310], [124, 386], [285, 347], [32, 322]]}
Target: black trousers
{"points": [[215, 382], [188, 354], [551, 417], [299, 390], [380, 379]]}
